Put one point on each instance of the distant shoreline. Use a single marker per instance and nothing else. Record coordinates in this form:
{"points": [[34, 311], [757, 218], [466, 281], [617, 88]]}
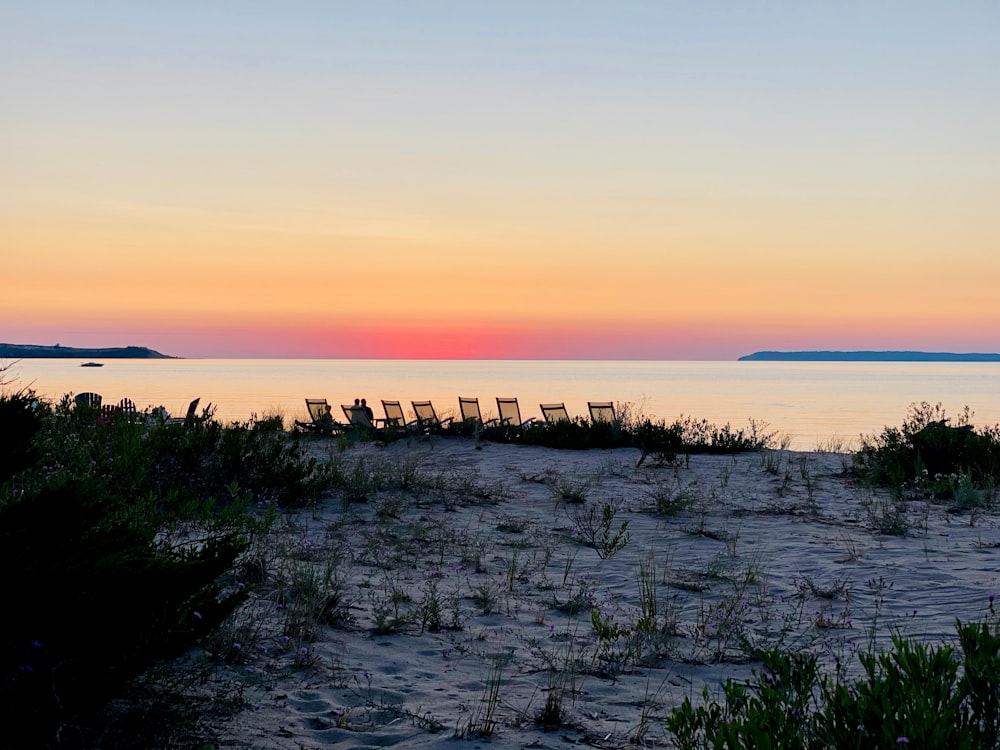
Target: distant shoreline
{"points": [[32, 351], [868, 356]]}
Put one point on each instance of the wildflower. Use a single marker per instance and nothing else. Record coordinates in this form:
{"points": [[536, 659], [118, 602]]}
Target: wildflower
{"points": [[902, 740], [197, 615]]}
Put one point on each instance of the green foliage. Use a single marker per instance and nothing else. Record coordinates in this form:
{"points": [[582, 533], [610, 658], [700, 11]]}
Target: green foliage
{"points": [[916, 693], [203, 463], [934, 458], [118, 534], [662, 440]]}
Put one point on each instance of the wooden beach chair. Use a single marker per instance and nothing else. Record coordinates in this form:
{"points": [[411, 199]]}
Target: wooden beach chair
{"points": [[360, 422], [320, 417], [510, 413], [428, 418], [357, 416], [88, 400], [471, 415], [395, 419], [554, 413], [602, 411], [191, 418]]}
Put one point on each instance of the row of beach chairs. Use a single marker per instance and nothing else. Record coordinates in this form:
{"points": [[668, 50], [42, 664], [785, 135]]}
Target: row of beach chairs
{"points": [[358, 418], [95, 402]]}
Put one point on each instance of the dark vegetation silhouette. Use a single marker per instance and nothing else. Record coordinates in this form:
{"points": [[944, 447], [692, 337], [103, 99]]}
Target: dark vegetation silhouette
{"points": [[118, 537]]}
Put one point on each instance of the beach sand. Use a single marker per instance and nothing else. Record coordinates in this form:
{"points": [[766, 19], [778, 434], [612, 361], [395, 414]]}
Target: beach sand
{"points": [[450, 604]]}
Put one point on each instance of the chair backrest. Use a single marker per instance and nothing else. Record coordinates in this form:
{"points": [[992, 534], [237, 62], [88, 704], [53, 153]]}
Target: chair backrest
{"points": [[192, 408], [510, 412], [88, 400], [317, 409], [358, 417], [425, 413], [554, 412], [394, 413], [469, 408], [602, 411], [127, 405]]}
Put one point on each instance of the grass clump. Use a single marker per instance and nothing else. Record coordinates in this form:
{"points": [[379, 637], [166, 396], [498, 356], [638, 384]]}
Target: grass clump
{"points": [[914, 694]]}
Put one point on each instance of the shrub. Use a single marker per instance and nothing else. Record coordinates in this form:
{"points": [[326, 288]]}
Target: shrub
{"points": [[930, 455], [916, 693], [96, 599], [21, 420], [117, 535]]}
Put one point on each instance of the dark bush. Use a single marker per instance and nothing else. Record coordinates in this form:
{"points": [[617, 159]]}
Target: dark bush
{"points": [[117, 535], [94, 599], [664, 441], [20, 420], [931, 456]]}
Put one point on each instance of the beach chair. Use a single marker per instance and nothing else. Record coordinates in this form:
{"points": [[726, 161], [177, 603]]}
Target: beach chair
{"points": [[602, 411], [320, 418], [428, 418], [359, 421], [394, 417], [88, 400], [510, 413], [124, 410], [471, 415], [191, 418], [554, 413]]}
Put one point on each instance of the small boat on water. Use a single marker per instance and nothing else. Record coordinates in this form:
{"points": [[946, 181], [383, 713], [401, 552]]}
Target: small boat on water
{"points": [[92, 364]]}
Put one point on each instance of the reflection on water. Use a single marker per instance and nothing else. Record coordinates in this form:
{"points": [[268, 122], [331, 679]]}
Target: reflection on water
{"points": [[813, 402]]}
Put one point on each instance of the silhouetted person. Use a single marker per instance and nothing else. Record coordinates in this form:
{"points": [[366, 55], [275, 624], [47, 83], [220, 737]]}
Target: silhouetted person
{"points": [[368, 411]]}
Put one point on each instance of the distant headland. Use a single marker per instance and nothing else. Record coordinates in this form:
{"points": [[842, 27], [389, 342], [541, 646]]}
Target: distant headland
{"points": [[868, 356], [31, 351]]}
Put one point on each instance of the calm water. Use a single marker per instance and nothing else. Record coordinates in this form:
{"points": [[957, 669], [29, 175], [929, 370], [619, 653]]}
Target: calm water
{"points": [[813, 402]]}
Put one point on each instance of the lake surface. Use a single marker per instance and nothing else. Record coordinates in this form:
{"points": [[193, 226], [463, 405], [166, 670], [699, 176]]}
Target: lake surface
{"points": [[814, 403]]}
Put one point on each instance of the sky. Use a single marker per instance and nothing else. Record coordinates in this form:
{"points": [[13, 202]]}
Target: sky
{"points": [[463, 179]]}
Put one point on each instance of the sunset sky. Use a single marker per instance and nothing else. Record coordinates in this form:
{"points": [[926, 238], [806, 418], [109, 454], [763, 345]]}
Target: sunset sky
{"points": [[587, 180]]}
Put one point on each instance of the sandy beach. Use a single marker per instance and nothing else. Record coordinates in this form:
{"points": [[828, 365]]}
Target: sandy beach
{"points": [[450, 592]]}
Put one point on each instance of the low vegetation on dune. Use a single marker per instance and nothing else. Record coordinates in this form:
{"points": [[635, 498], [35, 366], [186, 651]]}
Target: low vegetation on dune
{"points": [[143, 557], [915, 694], [933, 456], [659, 440]]}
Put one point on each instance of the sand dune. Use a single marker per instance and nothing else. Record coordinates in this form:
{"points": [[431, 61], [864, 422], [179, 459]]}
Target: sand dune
{"points": [[459, 594]]}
